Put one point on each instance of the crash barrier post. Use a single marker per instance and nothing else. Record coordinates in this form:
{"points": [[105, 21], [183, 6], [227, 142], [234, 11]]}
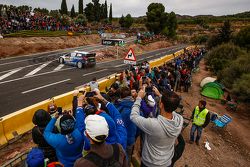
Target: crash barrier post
{"points": [[20, 122]]}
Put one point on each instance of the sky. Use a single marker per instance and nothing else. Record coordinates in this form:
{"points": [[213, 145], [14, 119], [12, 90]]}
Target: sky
{"points": [[139, 7]]}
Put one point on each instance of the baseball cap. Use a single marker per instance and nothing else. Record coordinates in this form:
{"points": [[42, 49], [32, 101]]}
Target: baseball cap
{"points": [[67, 124], [96, 126]]}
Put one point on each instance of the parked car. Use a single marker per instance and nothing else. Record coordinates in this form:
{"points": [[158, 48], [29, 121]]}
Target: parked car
{"points": [[79, 59]]}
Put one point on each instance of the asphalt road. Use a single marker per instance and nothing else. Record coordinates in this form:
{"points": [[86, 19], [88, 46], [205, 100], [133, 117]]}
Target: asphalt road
{"points": [[27, 80]]}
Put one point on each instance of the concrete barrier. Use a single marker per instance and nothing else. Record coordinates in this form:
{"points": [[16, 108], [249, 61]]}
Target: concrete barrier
{"points": [[20, 122], [3, 139]]}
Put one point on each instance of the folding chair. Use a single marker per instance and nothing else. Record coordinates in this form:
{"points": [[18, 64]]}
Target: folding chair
{"points": [[222, 121]]}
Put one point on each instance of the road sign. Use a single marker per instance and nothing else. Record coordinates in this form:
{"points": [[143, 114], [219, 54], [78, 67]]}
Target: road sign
{"points": [[130, 57]]}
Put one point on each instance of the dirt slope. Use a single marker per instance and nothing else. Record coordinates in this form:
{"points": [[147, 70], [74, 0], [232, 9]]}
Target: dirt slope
{"points": [[23, 46], [230, 146]]}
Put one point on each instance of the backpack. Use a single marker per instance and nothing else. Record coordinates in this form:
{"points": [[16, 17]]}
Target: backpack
{"points": [[109, 162]]}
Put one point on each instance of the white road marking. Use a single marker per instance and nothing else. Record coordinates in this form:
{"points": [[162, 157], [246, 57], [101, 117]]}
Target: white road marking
{"points": [[17, 79], [37, 69], [59, 67], [10, 73], [41, 87], [25, 66], [121, 65], [153, 55], [94, 72]]}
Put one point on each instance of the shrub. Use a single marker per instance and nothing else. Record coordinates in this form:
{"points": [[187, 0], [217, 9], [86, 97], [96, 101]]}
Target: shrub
{"points": [[235, 70], [199, 39], [241, 88], [242, 39], [220, 57]]}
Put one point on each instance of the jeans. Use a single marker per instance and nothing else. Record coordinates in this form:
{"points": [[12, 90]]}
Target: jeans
{"points": [[199, 131]]}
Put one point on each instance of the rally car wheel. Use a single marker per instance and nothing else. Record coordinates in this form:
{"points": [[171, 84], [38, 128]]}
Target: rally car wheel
{"points": [[79, 65], [61, 61]]}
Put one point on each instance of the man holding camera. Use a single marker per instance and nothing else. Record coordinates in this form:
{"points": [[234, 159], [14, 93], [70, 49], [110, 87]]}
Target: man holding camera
{"points": [[160, 132]]}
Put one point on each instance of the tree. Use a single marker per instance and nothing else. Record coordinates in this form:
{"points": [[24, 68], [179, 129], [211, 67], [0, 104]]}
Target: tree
{"points": [[225, 32], [110, 14], [97, 9], [155, 14], [242, 39], [102, 11], [80, 6], [158, 21], [122, 21], [43, 10], [72, 12], [105, 10], [172, 24], [81, 19], [89, 12], [64, 9], [224, 36], [128, 21]]}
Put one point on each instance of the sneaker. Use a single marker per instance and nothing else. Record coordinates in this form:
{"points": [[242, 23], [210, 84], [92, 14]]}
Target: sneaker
{"points": [[191, 142], [197, 143]]}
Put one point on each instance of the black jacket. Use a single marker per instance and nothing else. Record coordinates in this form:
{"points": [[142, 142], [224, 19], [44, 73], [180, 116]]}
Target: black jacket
{"points": [[37, 136]]}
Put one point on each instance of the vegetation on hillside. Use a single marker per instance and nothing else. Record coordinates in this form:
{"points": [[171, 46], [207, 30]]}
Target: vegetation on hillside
{"points": [[231, 61]]}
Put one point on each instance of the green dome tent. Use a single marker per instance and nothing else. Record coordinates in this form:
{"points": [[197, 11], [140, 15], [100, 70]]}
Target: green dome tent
{"points": [[212, 90]]}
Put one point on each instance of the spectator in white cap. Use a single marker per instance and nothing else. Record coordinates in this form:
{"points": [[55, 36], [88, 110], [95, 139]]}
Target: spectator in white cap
{"points": [[101, 154]]}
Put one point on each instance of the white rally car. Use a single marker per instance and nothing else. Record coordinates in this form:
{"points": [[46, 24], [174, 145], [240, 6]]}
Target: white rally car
{"points": [[79, 59]]}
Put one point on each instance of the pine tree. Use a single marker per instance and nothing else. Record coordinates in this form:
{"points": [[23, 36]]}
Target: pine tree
{"points": [[64, 9], [106, 10], [121, 21], [90, 12], [110, 14], [80, 5], [72, 12], [97, 9]]}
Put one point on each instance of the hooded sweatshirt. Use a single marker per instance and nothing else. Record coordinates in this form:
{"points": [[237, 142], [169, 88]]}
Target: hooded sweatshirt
{"points": [[66, 153], [124, 106], [160, 136]]}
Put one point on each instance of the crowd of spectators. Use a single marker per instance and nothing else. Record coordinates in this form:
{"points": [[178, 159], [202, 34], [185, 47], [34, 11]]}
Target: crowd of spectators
{"points": [[141, 104], [14, 19]]}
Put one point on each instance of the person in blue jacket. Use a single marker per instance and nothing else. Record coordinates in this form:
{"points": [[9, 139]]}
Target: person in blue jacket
{"points": [[117, 132], [124, 105], [69, 143]]}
